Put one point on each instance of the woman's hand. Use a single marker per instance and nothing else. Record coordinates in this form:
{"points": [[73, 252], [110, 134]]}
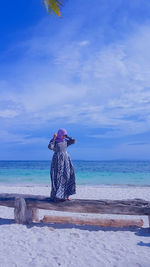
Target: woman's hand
{"points": [[54, 136]]}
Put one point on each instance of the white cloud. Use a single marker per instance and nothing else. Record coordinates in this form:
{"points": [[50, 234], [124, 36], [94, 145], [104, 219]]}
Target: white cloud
{"points": [[8, 137], [83, 43], [8, 113], [107, 87]]}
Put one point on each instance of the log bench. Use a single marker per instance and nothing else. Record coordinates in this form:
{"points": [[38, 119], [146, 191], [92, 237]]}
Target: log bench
{"points": [[26, 208]]}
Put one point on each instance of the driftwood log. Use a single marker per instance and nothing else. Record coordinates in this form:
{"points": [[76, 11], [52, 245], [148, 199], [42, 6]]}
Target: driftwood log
{"points": [[33, 202], [92, 221], [24, 214]]}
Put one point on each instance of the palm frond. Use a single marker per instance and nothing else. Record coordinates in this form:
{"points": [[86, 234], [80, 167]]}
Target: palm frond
{"points": [[53, 6]]}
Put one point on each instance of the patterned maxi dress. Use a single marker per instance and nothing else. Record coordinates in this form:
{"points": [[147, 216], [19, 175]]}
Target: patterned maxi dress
{"points": [[62, 171]]}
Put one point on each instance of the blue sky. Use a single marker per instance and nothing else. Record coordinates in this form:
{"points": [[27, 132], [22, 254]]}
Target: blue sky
{"points": [[88, 72]]}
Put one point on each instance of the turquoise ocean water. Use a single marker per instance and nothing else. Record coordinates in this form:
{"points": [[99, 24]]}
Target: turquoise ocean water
{"points": [[87, 172]]}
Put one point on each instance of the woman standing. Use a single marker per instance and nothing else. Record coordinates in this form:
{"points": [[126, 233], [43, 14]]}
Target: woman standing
{"points": [[62, 171]]}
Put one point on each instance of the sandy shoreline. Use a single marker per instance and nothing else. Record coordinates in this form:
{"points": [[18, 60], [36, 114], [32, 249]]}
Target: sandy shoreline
{"points": [[71, 245]]}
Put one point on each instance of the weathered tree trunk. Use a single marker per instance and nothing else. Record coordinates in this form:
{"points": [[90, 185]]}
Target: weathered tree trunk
{"points": [[21, 213], [26, 205], [105, 206], [92, 221], [35, 215]]}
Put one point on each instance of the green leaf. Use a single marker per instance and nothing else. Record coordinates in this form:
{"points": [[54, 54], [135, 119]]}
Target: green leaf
{"points": [[53, 6]]}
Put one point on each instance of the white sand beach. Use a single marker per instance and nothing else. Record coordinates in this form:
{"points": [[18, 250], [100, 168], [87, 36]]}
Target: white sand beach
{"points": [[68, 245]]}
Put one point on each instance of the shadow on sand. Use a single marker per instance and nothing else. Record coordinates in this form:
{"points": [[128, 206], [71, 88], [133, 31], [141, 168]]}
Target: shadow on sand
{"points": [[143, 244], [4, 221]]}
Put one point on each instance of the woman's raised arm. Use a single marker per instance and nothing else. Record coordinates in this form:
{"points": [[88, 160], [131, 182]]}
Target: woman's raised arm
{"points": [[70, 140], [52, 142]]}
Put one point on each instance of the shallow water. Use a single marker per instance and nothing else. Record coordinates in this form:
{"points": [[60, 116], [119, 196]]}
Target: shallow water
{"points": [[87, 172]]}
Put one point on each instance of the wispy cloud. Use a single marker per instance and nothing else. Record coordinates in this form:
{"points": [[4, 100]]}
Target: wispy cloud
{"points": [[106, 86]]}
